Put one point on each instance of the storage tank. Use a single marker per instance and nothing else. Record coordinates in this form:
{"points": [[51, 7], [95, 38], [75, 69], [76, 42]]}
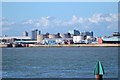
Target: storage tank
{"points": [[89, 37], [51, 36], [63, 35], [39, 38], [78, 39]]}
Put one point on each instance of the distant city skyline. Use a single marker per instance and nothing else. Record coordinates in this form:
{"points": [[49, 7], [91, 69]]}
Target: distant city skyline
{"points": [[54, 17]]}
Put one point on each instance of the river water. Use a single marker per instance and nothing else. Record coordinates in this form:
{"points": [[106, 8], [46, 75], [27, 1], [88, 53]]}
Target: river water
{"points": [[69, 62]]}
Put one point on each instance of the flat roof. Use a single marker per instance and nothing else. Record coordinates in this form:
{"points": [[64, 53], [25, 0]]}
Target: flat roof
{"points": [[17, 37], [112, 39]]}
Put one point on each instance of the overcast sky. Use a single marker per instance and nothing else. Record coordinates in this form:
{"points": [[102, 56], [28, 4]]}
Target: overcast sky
{"points": [[53, 17]]}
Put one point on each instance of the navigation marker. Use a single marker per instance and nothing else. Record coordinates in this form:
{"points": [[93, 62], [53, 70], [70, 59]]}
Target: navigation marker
{"points": [[99, 71]]}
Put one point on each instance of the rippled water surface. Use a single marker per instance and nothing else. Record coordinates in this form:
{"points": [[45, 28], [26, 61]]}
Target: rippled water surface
{"points": [[78, 62]]}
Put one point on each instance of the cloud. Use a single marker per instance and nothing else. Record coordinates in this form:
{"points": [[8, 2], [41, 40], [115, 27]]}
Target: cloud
{"points": [[95, 19], [97, 22], [42, 22], [30, 21], [83, 20], [5, 22], [74, 19]]}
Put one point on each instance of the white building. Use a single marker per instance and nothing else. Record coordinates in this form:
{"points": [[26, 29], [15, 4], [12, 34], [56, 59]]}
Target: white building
{"points": [[78, 39], [12, 39]]}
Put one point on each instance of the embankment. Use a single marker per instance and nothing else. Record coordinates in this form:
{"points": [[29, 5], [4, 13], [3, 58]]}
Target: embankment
{"points": [[77, 45]]}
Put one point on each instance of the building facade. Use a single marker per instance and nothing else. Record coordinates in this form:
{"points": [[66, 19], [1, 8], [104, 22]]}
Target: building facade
{"points": [[34, 34]]}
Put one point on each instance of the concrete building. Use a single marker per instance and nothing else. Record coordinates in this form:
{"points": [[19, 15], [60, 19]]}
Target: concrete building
{"points": [[34, 34], [40, 38]]}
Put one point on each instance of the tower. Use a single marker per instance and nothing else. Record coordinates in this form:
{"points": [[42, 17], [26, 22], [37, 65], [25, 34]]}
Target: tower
{"points": [[34, 34]]}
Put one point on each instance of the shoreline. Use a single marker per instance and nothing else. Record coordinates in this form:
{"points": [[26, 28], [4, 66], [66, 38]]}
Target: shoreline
{"points": [[68, 45], [78, 45]]}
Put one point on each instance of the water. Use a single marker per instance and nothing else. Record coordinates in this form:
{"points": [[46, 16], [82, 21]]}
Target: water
{"points": [[78, 62]]}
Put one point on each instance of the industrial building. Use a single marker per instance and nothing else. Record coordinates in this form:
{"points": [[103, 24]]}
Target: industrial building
{"points": [[84, 37], [72, 37], [12, 39], [40, 38], [78, 39], [53, 41], [16, 40], [114, 39]]}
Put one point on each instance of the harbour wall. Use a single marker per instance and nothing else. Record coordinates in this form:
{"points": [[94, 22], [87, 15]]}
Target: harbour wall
{"points": [[77, 45], [68, 45]]}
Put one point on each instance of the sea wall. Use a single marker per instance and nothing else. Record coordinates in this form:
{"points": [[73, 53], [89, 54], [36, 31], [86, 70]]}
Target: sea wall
{"points": [[69, 45], [77, 45]]}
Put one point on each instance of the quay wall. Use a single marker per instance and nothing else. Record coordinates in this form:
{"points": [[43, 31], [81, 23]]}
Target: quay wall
{"points": [[77, 45], [69, 45]]}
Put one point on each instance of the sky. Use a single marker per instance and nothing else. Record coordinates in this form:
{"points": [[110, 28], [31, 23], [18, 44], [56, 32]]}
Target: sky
{"points": [[54, 17]]}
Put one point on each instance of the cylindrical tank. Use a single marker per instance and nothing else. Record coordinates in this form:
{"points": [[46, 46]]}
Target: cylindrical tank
{"points": [[51, 36], [63, 35], [89, 37], [77, 39], [39, 38]]}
